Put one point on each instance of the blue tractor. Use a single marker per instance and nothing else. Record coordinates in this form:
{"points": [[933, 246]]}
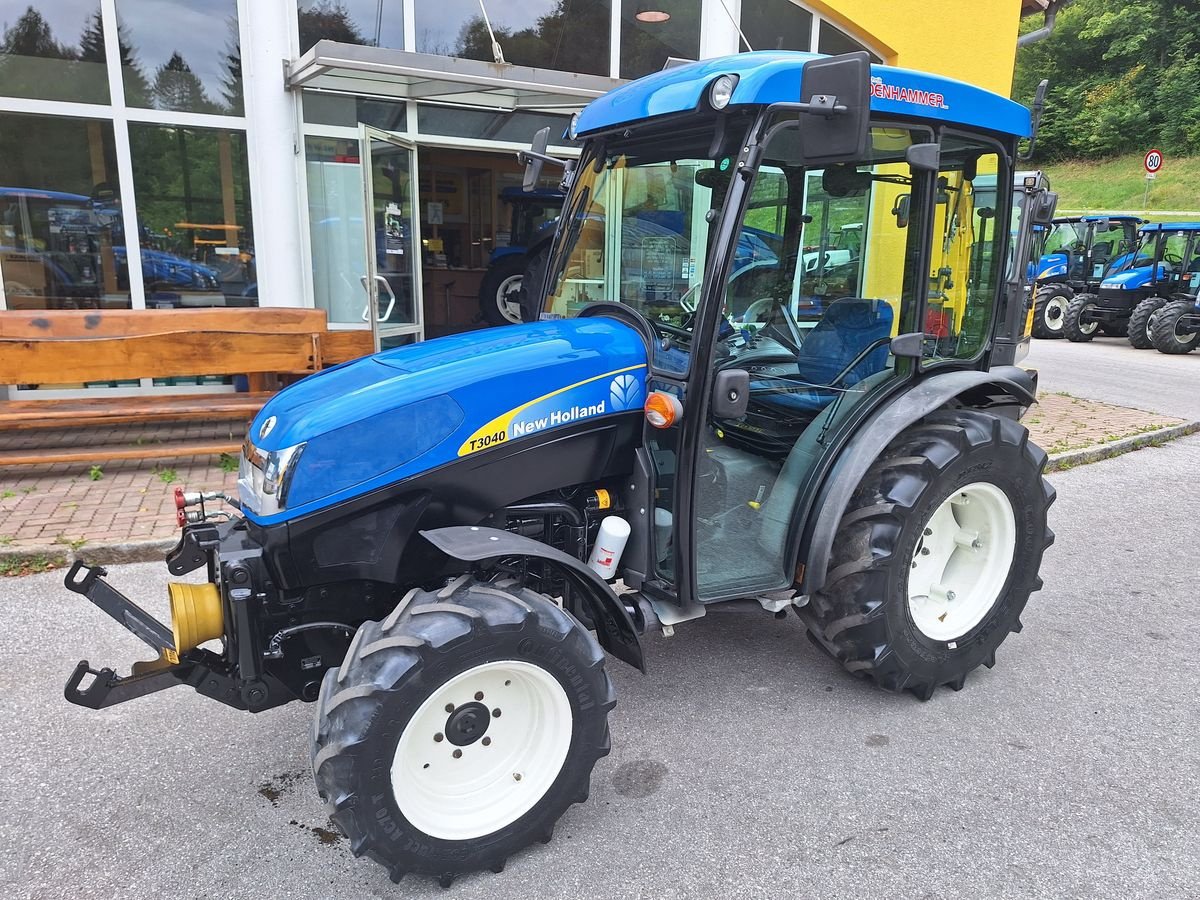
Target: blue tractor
{"points": [[438, 545], [1165, 267], [1078, 253], [534, 214]]}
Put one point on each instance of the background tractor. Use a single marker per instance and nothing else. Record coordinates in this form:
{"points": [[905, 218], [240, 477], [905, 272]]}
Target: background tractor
{"points": [[431, 540], [1078, 253], [1164, 267], [531, 223]]}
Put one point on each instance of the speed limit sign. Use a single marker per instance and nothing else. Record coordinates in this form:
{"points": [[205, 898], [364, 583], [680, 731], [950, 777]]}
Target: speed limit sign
{"points": [[1154, 161]]}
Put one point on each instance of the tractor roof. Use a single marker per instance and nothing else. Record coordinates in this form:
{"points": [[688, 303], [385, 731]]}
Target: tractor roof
{"points": [[1100, 217], [773, 76], [1170, 226]]}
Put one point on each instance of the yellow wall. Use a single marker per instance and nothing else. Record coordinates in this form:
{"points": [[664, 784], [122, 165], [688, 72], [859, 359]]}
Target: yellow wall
{"points": [[971, 40]]}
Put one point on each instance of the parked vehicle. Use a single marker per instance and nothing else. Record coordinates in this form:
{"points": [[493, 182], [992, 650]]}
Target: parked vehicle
{"points": [[533, 217], [1078, 253], [428, 538], [1164, 267]]}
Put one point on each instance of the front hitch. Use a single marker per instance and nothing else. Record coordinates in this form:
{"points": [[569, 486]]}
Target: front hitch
{"points": [[197, 668]]}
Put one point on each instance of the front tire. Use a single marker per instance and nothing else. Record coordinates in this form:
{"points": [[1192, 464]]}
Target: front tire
{"points": [[1165, 334], [460, 728], [500, 291], [922, 586], [1049, 310], [1139, 322], [1074, 328]]}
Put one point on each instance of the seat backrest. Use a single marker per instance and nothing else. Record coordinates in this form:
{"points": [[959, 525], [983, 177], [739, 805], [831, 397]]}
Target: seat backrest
{"points": [[849, 326]]}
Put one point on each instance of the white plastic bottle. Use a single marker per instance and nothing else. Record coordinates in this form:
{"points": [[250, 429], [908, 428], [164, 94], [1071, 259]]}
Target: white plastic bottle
{"points": [[610, 544]]}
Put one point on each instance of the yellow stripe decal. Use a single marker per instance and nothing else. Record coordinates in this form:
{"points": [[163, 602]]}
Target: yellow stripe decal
{"points": [[497, 430]]}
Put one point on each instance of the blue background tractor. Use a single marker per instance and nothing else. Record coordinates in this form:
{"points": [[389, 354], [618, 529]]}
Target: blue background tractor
{"points": [[1078, 253], [1165, 267], [531, 223]]}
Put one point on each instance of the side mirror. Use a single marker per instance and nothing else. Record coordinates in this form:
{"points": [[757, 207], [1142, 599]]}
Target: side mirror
{"points": [[836, 111], [1044, 205], [534, 159], [731, 394], [902, 210]]}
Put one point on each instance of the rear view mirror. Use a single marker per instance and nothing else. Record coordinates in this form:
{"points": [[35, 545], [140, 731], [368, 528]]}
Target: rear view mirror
{"points": [[836, 111], [534, 159], [1044, 205], [902, 210]]}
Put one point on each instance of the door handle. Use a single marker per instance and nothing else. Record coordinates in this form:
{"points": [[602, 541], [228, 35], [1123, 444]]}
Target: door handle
{"points": [[391, 298], [366, 313]]}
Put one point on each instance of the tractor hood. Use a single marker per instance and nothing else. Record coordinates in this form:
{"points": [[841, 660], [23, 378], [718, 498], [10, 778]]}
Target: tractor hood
{"points": [[1132, 279], [377, 420], [1052, 267]]}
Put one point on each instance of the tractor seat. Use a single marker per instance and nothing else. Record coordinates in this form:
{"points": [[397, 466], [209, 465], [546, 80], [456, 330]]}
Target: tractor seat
{"points": [[849, 327]]}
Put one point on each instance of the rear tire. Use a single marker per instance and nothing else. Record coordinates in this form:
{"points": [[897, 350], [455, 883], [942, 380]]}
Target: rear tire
{"points": [[1074, 329], [907, 515], [1049, 309], [1164, 330], [500, 291], [424, 776], [1139, 322]]}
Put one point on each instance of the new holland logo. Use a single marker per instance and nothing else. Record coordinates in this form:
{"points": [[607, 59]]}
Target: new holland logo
{"points": [[625, 392], [266, 427]]}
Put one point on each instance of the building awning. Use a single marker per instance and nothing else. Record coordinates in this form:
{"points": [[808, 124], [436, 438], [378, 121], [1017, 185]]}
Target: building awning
{"points": [[399, 74]]}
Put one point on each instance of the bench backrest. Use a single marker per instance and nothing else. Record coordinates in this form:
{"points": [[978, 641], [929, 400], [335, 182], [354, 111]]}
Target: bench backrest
{"points": [[71, 346]]}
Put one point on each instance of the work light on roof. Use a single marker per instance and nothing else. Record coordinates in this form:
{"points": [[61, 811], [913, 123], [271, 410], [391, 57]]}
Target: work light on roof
{"points": [[721, 91]]}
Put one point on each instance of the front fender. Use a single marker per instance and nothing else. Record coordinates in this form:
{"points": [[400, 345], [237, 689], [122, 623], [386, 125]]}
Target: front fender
{"points": [[879, 431], [614, 627]]}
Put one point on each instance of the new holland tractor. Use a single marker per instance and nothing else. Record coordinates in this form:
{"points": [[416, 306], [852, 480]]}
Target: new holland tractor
{"points": [[1078, 254], [441, 545], [1165, 268]]}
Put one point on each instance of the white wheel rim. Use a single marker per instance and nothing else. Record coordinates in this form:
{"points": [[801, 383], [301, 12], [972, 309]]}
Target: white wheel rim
{"points": [[1087, 327], [1052, 315], [962, 561], [503, 773], [509, 309]]}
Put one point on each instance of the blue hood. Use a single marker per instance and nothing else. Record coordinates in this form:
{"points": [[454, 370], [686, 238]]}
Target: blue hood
{"points": [[1132, 279], [383, 418]]}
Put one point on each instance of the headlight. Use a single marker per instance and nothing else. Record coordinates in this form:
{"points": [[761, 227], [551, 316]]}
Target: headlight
{"points": [[721, 91], [264, 477], [572, 129]]}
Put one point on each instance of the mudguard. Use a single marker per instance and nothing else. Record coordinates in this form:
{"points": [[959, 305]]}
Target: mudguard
{"points": [[614, 627], [865, 447]]}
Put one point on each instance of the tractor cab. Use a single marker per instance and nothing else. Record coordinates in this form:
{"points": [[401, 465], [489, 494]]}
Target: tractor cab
{"points": [[1164, 266]]}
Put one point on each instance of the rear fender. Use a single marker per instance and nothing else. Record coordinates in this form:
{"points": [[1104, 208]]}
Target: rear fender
{"points": [[984, 390], [614, 627]]}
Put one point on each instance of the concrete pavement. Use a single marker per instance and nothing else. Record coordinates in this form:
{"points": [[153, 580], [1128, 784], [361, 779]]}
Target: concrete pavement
{"points": [[746, 764]]}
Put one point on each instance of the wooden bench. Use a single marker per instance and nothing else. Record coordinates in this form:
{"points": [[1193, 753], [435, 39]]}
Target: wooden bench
{"points": [[69, 347]]}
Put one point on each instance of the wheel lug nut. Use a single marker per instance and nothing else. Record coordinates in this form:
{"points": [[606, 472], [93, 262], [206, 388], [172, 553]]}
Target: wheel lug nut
{"points": [[449, 707], [439, 737], [950, 595], [924, 551], [496, 713], [457, 754], [516, 776], [487, 742], [928, 532], [479, 695]]}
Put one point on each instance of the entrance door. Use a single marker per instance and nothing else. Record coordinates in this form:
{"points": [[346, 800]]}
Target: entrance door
{"points": [[393, 279]]}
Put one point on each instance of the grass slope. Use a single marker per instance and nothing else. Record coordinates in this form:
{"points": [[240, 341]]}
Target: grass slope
{"points": [[1119, 184]]}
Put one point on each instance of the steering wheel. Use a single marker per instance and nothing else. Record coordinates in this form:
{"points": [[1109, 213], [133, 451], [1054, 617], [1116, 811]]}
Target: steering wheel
{"points": [[676, 330], [1174, 258]]}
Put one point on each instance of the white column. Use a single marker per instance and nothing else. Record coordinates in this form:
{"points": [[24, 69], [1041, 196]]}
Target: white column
{"points": [[718, 34], [268, 33]]}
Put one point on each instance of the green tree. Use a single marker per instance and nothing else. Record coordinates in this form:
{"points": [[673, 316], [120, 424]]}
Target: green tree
{"points": [[177, 87]]}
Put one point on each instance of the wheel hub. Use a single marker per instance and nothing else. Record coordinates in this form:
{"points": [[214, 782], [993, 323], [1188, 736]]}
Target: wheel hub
{"points": [[467, 724]]}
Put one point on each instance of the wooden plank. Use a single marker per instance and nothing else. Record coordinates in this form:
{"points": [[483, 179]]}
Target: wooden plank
{"points": [[19, 415], [341, 346], [154, 356], [93, 455], [96, 323]]}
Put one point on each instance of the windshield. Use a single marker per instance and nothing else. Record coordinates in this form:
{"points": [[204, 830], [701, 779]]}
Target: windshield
{"points": [[638, 231]]}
